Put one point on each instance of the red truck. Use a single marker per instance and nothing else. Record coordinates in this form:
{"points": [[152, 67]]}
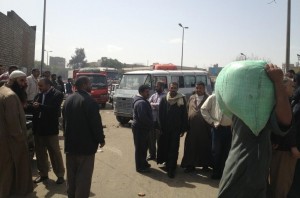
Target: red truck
{"points": [[99, 84]]}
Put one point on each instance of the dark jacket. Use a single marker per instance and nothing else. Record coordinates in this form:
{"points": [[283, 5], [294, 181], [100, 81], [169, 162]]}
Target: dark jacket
{"points": [[286, 142], [69, 88], [296, 96], [292, 139], [45, 117], [82, 124], [172, 118], [54, 84], [61, 86], [142, 114]]}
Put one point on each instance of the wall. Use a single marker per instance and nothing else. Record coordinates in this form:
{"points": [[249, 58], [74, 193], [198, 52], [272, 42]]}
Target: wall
{"points": [[17, 41]]}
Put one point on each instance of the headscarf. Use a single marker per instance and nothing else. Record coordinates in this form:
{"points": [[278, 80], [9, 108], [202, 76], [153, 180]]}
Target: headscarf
{"points": [[177, 99]]}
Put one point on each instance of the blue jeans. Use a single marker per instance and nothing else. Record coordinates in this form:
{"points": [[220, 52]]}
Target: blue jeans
{"points": [[221, 143]]}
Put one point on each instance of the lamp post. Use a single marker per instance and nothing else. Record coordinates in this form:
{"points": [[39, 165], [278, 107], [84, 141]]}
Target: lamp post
{"points": [[288, 34], [47, 56], [244, 56], [43, 42], [182, 42]]}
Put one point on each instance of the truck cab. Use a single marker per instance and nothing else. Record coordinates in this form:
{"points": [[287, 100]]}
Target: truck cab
{"points": [[99, 86]]}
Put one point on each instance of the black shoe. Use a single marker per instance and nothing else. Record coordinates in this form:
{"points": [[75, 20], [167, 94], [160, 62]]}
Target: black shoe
{"points": [[205, 169], [171, 174], [60, 180], [144, 170], [149, 158], [40, 179], [148, 165], [215, 177], [189, 169]]}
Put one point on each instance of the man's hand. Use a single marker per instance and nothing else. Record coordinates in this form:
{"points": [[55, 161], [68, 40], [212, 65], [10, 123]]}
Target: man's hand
{"points": [[152, 105], [295, 152], [36, 105], [182, 134], [283, 107], [274, 73], [102, 144]]}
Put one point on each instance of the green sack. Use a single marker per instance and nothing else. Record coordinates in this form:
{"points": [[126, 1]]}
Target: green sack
{"points": [[243, 89]]}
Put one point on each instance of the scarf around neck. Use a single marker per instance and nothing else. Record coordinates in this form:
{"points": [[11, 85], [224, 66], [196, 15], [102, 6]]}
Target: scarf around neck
{"points": [[177, 99]]}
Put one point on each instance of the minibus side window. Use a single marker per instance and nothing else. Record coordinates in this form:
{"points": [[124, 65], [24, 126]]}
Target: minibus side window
{"points": [[162, 79], [201, 78], [179, 80], [189, 81]]}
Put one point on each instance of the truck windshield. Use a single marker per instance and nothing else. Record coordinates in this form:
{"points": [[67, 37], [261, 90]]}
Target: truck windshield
{"points": [[133, 81], [112, 75], [97, 81]]}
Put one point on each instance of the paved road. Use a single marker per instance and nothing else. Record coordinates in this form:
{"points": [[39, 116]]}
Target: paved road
{"points": [[115, 176]]}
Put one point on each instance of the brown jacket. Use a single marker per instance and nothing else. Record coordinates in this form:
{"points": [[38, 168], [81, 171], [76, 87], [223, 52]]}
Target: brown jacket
{"points": [[15, 171]]}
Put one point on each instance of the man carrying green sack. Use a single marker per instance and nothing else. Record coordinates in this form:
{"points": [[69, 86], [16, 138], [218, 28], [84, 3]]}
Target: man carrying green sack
{"points": [[247, 167]]}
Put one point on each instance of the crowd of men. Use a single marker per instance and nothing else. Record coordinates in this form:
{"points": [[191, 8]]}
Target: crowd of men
{"points": [[42, 96], [244, 162], [165, 117]]}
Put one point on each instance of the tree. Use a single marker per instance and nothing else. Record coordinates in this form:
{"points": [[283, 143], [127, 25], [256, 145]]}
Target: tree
{"points": [[78, 60], [108, 62], [37, 64]]}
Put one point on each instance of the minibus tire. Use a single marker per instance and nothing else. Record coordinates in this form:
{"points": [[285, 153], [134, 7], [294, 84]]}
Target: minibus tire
{"points": [[122, 120]]}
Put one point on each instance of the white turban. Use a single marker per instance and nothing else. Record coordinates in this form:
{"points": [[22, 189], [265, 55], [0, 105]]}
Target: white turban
{"points": [[16, 74]]}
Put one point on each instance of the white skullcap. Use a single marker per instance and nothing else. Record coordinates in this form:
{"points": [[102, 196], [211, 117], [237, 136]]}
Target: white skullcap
{"points": [[16, 74]]}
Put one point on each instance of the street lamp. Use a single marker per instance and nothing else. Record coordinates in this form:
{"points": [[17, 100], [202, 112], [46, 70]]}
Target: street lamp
{"points": [[244, 56], [182, 42], [47, 56], [43, 42]]}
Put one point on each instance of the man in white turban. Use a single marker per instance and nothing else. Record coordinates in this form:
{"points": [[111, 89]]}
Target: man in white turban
{"points": [[15, 171]]}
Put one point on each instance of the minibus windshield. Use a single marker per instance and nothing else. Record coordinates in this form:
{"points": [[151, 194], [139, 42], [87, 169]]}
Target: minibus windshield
{"points": [[133, 81]]}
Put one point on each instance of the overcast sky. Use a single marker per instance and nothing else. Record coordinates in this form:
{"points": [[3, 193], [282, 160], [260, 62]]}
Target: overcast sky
{"points": [[147, 31]]}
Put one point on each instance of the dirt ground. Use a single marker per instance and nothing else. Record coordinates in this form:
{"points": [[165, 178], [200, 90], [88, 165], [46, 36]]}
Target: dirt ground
{"points": [[115, 176]]}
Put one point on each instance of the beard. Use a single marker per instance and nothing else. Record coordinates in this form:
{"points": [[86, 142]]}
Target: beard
{"points": [[19, 91]]}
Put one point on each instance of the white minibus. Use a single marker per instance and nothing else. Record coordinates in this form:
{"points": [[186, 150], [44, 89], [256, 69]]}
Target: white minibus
{"points": [[131, 81]]}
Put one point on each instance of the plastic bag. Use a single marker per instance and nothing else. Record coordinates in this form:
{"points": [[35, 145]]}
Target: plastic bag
{"points": [[243, 89]]}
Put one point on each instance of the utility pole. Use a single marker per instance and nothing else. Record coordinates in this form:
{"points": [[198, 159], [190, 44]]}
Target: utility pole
{"points": [[182, 42], [288, 35], [43, 42]]}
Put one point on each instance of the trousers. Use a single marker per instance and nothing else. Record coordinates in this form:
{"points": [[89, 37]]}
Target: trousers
{"points": [[79, 175], [140, 138], [49, 143]]}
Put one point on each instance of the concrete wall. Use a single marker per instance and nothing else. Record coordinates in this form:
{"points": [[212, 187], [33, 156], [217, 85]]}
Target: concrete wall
{"points": [[17, 41]]}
